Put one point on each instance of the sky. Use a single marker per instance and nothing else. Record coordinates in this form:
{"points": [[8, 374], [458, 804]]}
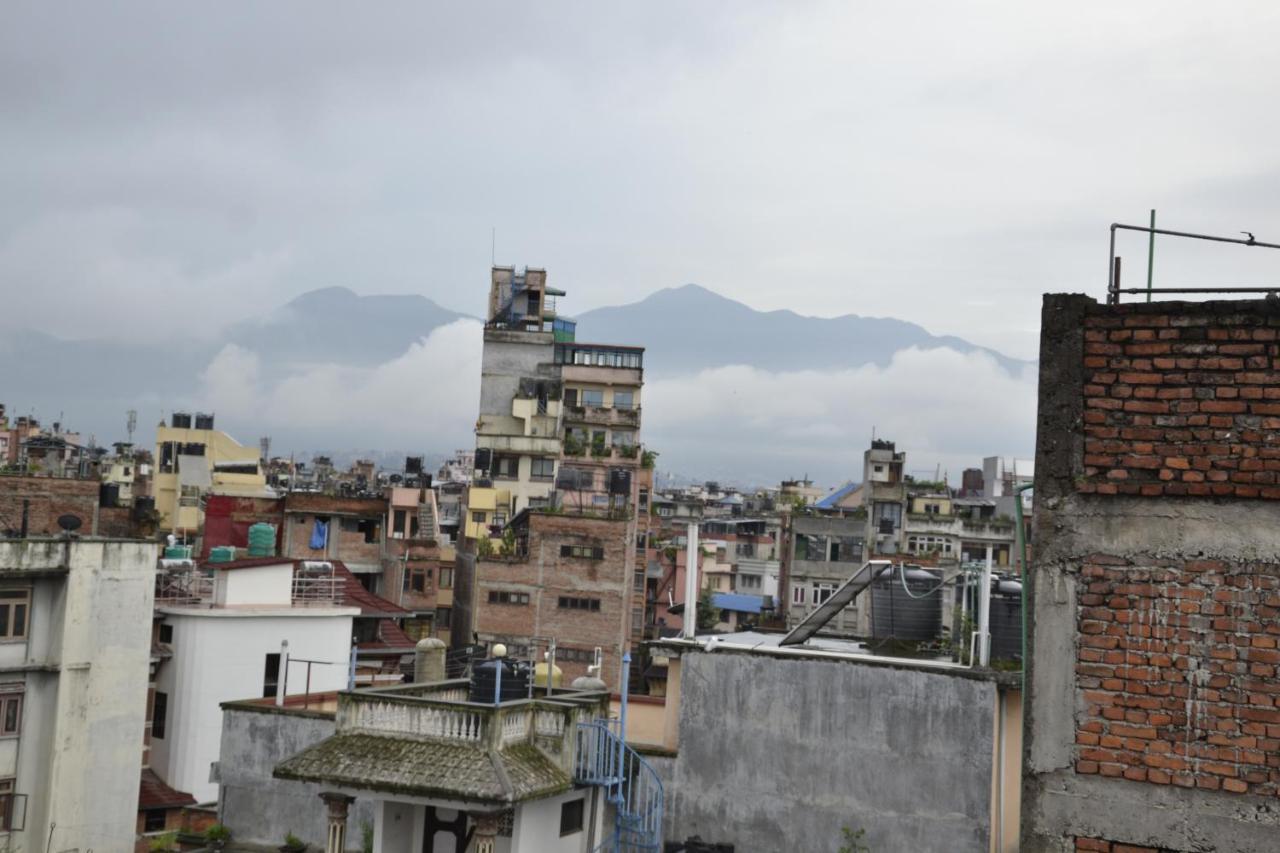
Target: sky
{"points": [[169, 169]]}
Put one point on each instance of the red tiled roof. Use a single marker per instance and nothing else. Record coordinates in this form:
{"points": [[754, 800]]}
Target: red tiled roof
{"points": [[355, 595], [153, 793], [390, 636]]}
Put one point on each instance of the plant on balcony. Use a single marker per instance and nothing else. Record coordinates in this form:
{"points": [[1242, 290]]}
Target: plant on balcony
{"points": [[164, 843], [599, 448], [629, 451], [508, 546], [484, 547], [648, 459], [573, 445], [217, 835], [293, 844]]}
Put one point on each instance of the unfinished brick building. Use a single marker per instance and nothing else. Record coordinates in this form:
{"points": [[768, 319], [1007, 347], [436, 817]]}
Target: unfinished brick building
{"points": [[1153, 707], [569, 579]]}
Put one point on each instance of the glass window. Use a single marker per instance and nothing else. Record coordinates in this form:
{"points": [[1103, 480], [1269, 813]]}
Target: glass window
{"points": [[160, 715], [14, 606], [622, 399], [797, 595], [446, 578], [592, 397], [10, 713], [571, 817], [571, 396], [543, 468]]}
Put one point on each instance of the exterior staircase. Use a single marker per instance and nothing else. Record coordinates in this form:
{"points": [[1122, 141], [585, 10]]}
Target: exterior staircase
{"points": [[428, 525], [630, 783]]}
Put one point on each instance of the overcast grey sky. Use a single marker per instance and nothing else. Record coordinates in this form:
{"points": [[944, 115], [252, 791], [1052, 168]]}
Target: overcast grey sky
{"points": [[940, 162]]}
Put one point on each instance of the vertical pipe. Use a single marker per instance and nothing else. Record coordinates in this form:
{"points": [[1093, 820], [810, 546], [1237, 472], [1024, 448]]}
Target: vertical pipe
{"points": [[622, 722], [1112, 269], [692, 564], [1151, 252], [551, 664], [351, 667], [984, 613], [282, 674], [1022, 542]]}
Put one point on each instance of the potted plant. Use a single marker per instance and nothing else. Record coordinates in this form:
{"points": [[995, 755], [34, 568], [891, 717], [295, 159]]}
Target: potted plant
{"points": [[293, 844], [217, 836]]}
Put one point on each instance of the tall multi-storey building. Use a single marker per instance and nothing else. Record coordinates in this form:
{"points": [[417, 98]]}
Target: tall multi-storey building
{"points": [[559, 430], [884, 496], [75, 649]]}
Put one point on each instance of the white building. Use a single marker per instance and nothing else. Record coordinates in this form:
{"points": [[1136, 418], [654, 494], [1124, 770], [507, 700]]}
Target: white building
{"points": [[225, 626], [75, 651]]}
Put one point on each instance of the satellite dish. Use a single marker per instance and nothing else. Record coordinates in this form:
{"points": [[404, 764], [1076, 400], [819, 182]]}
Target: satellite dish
{"points": [[69, 522]]}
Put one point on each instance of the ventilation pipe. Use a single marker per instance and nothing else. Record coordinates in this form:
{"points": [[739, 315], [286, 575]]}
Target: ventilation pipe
{"points": [[692, 564], [984, 613]]}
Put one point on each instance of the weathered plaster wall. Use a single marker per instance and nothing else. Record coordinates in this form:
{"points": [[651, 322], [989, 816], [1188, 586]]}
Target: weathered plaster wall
{"points": [[1150, 713], [261, 809], [779, 754]]}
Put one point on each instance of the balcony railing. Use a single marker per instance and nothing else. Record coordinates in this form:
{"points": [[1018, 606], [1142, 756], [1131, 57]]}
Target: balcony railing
{"points": [[194, 587]]}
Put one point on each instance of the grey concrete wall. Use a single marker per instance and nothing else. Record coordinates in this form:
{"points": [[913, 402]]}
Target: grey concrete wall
{"points": [[261, 809], [1068, 526], [778, 754], [508, 356]]}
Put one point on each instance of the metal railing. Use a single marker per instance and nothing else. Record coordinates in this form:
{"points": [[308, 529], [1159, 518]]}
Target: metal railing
{"points": [[1113, 266], [631, 785], [316, 589], [185, 587]]}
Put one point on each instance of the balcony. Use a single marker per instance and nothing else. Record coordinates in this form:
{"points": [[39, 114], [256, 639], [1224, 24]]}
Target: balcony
{"points": [[532, 445], [602, 416], [196, 587]]}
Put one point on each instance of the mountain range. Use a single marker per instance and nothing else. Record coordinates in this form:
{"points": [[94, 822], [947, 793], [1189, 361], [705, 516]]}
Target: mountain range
{"points": [[685, 330]]}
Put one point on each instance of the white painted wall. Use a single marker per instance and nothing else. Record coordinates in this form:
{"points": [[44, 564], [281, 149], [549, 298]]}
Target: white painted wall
{"points": [[537, 826], [256, 585], [220, 655], [79, 750]]}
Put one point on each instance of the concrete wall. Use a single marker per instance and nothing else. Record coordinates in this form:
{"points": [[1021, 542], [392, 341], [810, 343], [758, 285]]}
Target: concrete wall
{"points": [[219, 655], [778, 754], [261, 809], [1151, 712], [84, 670]]}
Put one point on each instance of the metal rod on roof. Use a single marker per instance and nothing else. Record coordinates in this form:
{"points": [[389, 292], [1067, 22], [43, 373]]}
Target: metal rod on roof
{"points": [[1151, 252]]}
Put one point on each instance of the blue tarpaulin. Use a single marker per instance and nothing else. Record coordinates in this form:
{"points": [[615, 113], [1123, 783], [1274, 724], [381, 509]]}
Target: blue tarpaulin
{"points": [[737, 603], [319, 535]]}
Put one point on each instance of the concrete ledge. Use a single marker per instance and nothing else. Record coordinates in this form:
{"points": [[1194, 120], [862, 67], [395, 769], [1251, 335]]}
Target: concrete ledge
{"points": [[1161, 816]]}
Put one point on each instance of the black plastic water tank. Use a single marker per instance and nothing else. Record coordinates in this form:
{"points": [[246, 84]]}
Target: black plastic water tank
{"points": [[1006, 620], [484, 677], [902, 616]]}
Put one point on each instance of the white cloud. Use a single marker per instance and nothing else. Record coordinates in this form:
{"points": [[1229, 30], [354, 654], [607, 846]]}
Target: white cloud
{"points": [[425, 398], [941, 406]]}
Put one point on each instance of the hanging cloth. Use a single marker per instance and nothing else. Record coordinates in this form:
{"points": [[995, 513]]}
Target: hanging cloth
{"points": [[319, 535]]}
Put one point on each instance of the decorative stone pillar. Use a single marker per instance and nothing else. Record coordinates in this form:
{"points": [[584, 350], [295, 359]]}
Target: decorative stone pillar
{"points": [[486, 837], [338, 804]]}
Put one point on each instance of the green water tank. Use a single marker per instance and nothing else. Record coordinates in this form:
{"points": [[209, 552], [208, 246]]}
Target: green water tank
{"points": [[262, 540], [222, 554], [177, 552]]}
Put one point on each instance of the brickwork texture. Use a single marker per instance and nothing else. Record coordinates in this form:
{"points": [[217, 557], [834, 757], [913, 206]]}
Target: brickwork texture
{"points": [[1181, 403]]}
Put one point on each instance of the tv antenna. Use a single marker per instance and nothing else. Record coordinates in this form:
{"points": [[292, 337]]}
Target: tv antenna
{"points": [[131, 422]]}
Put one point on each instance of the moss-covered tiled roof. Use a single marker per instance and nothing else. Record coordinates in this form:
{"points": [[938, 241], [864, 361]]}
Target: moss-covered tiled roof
{"points": [[427, 768]]}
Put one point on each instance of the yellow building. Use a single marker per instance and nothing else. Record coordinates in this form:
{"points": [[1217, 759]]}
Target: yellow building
{"points": [[193, 460], [486, 509]]}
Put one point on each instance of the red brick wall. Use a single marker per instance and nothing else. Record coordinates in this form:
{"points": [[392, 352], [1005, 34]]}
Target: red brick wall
{"points": [[547, 576], [1176, 674], [49, 498], [1181, 404]]}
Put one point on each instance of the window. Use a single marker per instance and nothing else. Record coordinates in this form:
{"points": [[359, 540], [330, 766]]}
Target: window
{"points": [[371, 528], [160, 715], [417, 579], [567, 602], [14, 606], [497, 596], [270, 674], [543, 468], [637, 621], [797, 595], [397, 523], [571, 817], [444, 617], [639, 582], [506, 467], [154, 820], [166, 633], [569, 655], [592, 397], [623, 399], [571, 396], [446, 578], [624, 439], [833, 547], [750, 582], [644, 500], [10, 714], [13, 808], [822, 591], [584, 552], [477, 517]]}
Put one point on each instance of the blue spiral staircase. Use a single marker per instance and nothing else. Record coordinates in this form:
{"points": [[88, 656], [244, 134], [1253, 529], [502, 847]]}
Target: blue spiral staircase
{"points": [[630, 783]]}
